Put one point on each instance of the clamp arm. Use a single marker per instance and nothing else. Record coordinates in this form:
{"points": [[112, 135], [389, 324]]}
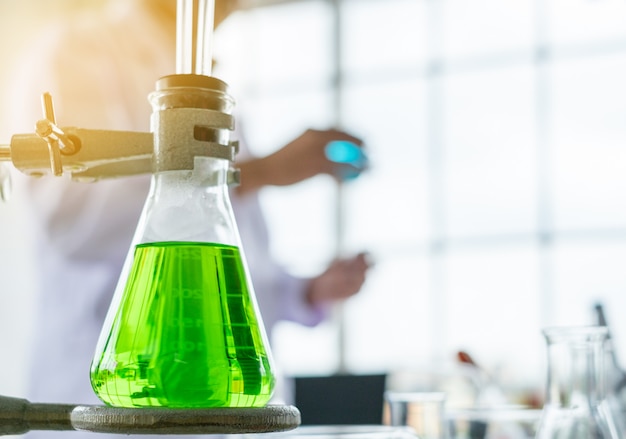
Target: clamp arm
{"points": [[87, 155], [98, 154]]}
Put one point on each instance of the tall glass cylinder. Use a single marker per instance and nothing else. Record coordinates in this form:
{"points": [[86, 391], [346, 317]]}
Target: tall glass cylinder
{"points": [[184, 329], [576, 405]]}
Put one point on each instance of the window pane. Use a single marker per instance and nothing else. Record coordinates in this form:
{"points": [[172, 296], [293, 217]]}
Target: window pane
{"points": [[291, 42], [587, 271], [482, 27], [588, 105], [493, 306], [490, 153], [269, 121], [301, 224], [584, 21], [306, 351], [392, 196], [379, 35], [390, 322], [386, 212]]}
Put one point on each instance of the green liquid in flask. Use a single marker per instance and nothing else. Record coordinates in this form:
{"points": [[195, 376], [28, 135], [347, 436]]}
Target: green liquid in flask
{"points": [[186, 333]]}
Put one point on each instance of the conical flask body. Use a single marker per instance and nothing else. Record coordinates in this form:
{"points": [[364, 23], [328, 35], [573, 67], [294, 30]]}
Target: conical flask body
{"points": [[183, 329], [186, 332]]}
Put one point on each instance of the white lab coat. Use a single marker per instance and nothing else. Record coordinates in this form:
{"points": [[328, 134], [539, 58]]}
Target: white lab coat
{"points": [[99, 70]]}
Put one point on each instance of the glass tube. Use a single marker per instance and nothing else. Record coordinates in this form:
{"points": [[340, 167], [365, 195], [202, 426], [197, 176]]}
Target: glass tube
{"points": [[204, 39], [194, 36], [184, 36]]}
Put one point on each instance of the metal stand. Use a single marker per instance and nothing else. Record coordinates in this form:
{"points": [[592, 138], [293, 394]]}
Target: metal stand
{"points": [[19, 416]]}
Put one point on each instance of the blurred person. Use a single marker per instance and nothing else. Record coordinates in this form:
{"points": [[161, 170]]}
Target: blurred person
{"points": [[100, 65]]}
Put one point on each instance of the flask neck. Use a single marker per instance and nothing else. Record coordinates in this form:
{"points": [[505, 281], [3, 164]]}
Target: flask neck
{"points": [[193, 153], [190, 206], [207, 172], [576, 366]]}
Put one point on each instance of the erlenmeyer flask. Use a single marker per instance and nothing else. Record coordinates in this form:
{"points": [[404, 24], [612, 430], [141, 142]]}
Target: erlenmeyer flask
{"points": [[576, 406], [183, 329]]}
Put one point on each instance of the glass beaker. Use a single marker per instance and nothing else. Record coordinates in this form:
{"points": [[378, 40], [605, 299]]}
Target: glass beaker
{"points": [[422, 411], [183, 329], [576, 406]]}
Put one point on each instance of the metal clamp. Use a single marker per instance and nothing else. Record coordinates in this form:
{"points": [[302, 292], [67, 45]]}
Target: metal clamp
{"points": [[58, 142]]}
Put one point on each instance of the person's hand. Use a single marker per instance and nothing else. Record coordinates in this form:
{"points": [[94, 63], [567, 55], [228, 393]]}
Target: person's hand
{"points": [[342, 279], [302, 158], [305, 157]]}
